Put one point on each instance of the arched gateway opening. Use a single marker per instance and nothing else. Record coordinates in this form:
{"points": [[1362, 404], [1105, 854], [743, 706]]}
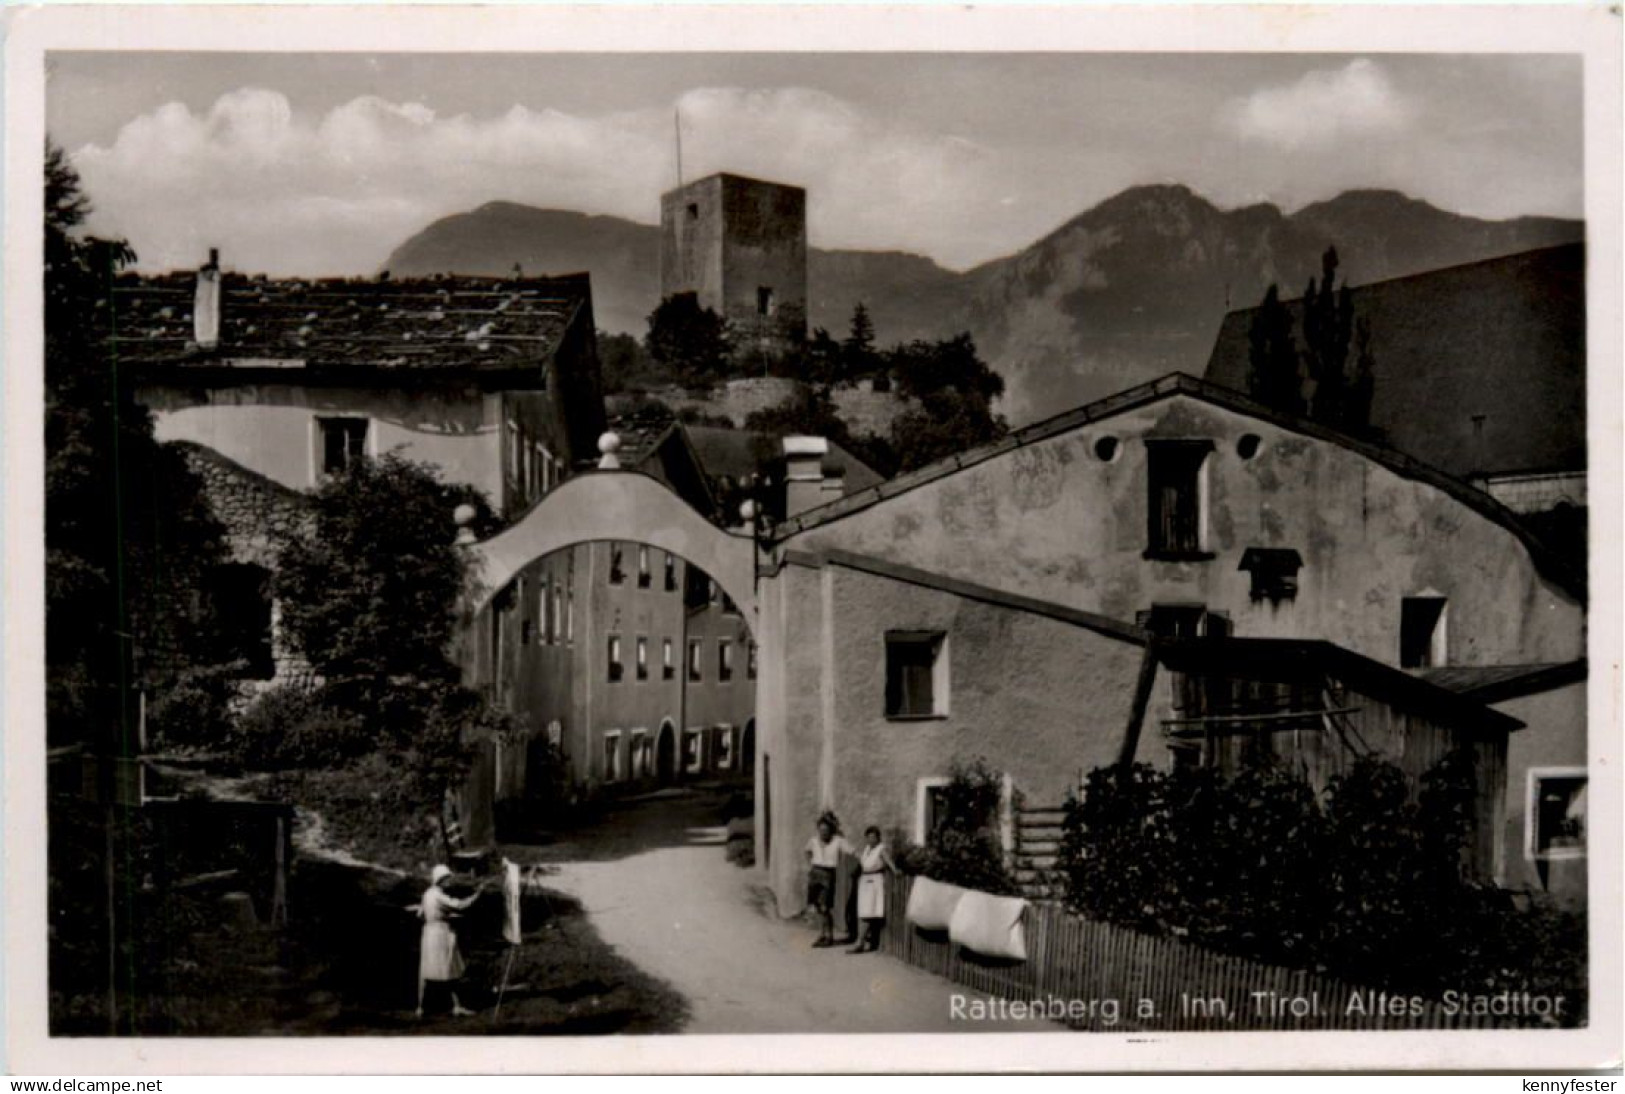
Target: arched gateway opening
{"points": [[616, 614]]}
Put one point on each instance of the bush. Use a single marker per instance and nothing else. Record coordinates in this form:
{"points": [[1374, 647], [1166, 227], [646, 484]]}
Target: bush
{"points": [[964, 848], [195, 709], [290, 727], [1370, 884]]}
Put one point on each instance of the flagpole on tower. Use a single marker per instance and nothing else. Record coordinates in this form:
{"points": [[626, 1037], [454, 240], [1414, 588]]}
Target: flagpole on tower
{"points": [[677, 124]]}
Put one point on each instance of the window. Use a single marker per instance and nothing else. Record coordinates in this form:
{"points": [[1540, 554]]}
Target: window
{"points": [[930, 805], [1422, 632], [693, 211], [343, 441], [750, 660], [637, 755], [525, 630], [612, 756], [570, 614], [695, 653], [696, 588], [725, 660], [617, 575], [1178, 488], [544, 611], [668, 667], [1184, 621], [242, 599], [1555, 827], [555, 733], [764, 300], [916, 674], [643, 567], [725, 746], [643, 658], [616, 669], [558, 605], [694, 751], [671, 573]]}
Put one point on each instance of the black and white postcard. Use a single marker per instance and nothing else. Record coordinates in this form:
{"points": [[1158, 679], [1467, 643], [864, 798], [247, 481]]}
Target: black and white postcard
{"points": [[1069, 538]]}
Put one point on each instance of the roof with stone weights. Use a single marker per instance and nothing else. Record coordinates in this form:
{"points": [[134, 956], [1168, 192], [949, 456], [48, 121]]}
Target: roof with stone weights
{"points": [[350, 327]]}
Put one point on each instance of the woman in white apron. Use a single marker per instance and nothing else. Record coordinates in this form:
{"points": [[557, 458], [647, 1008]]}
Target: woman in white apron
{"points": [[439, 959], [873, 862]]}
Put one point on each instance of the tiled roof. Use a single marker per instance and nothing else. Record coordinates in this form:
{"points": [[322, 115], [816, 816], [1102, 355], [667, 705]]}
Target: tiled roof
{"points": [[737, 453], [1478, 369], [470, 324]]}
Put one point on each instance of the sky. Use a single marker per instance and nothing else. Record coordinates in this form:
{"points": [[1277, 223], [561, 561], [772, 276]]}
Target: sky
{"points": [[320, 164]]}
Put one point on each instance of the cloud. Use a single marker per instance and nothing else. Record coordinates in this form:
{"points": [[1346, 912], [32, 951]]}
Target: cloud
{"points": [[1322, 107], [335, 192]]}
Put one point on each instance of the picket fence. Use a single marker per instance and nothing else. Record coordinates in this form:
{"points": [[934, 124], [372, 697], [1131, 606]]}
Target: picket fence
{"points": [[1073, 961]]}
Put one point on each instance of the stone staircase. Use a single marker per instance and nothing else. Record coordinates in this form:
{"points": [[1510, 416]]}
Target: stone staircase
{"points": [[1037, 843]]}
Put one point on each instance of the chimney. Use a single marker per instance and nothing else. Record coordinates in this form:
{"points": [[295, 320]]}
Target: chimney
{"points": [[206, 306], [804, 473]]}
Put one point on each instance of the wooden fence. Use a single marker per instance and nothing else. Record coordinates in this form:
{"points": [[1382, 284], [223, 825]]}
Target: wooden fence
{"points": [[1098, 976]]}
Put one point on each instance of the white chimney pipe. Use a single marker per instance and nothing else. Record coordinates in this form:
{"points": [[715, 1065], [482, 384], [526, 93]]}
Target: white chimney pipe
{"points": [[804, 473]]}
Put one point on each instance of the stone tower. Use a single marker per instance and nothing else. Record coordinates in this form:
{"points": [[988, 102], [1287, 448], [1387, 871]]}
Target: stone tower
{"points": [[740, 245]]}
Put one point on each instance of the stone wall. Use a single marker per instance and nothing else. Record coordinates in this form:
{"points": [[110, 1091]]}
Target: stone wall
{"points": [[867, 411], [864, 410], [256, 511]]}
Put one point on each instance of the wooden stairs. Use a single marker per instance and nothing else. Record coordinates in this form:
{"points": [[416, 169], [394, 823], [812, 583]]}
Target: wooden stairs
{"points": [[1037, 846]]}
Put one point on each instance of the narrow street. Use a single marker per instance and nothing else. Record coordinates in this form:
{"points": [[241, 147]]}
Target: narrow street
{"points": [[654, 882]]}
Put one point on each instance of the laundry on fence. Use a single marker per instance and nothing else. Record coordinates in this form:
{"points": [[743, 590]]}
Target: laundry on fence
{"points": [[931, 903], [989, 925]]}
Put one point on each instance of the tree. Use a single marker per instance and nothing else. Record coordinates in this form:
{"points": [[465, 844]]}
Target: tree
{"points": [[943, 424], [1328, 329], [1273, 376], [130, 539], [858, 356], [694, 343], [370, 586], [621, 360], [925, 368], [371, 590]]}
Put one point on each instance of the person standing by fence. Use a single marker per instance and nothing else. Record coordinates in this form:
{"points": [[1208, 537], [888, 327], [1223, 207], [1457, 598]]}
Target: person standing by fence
{"points": [[873, 861], [823, 857]]}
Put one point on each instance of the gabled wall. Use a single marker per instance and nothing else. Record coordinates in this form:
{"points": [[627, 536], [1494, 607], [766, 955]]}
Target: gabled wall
{"points": [[1051, 519]]}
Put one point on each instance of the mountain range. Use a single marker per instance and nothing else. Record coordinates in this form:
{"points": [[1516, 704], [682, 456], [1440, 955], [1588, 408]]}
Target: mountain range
{"points": [[1126, 291]]}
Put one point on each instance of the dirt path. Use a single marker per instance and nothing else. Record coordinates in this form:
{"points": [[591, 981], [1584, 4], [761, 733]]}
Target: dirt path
{"points": [[679, 911]]}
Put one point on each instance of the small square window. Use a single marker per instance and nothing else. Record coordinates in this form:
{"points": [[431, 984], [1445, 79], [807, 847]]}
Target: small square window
{"points": [[643, 658], [668, 667], [616, 668], [916, 674], [1556, 820], [725, 660], [694, 751], [696, 653], [765, 304], [343, 442], [643, 568]]}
